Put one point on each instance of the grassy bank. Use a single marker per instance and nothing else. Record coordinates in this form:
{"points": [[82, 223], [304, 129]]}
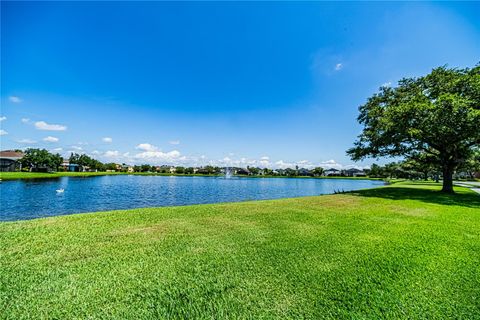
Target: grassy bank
{"points": [[402, 251], [43, 175]]}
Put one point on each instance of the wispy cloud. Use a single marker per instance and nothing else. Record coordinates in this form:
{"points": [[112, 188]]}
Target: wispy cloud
{"points": [[26, 141], [3, 118], [3, 132], [57, 149], [25, 120], [174, 142], [107, 139], [77, 148], [387, 84], [111, 154], [146, 147], [159, 156], [15, 99], [50, 139], [42, 125], [338, 66]]}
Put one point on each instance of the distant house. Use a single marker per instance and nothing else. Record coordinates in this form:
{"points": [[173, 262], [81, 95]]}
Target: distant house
{"points": [[331, 172], [173, 169], [304, 172], [127, 168], [73, 167], [353, 172], [69, 167], [10, 160], [241, 171]]}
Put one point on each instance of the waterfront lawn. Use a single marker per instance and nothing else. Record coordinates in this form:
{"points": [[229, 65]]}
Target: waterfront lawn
{"points": [[43, 175], [402, 251]]}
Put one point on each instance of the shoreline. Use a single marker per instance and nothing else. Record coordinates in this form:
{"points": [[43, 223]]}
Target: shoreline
{"points": [[228, 202], [221, 256], [8, 176]]}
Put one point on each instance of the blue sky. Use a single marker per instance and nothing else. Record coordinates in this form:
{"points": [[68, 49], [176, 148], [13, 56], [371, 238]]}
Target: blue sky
{"points": [[267, 84]]}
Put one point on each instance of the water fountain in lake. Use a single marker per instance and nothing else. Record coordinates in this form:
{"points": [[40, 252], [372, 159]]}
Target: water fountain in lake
{"points": [[228, 173]]}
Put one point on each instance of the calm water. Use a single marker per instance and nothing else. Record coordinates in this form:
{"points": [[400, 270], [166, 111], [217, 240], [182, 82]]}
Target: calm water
{"points": [[27, 199]]}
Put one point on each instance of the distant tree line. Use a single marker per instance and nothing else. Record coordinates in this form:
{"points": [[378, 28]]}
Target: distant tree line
{"points": [[38, 160], [411, 168]]}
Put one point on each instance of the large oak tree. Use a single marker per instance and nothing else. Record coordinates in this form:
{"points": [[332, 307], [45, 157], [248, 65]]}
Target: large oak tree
{"points": [[438, 114]]}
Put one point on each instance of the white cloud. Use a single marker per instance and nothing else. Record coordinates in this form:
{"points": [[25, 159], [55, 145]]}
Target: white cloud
{"points": [[3, 118], [50, 139], [77, 148], [146, 147], [42, 125], [126, 154], [25, 120], [329, 164], [26, 141], [338, 67], [3, 132], [174, 142], [107, 140], [283, 165], [14, 99], [57, 149], [264, 161], [157, 156], [111, 154]]}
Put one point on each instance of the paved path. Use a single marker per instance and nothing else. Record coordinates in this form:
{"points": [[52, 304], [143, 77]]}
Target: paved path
{"points": [[474, 185]]}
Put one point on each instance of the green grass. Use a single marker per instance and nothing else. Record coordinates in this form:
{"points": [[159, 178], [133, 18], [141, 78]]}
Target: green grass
{"points": [[402, 251], [43, 175]]}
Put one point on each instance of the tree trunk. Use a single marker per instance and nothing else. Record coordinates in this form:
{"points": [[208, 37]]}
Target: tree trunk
{"points": [[447, 179]]}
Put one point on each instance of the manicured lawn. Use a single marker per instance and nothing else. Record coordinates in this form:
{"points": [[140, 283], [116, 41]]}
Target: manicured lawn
{"points": [[403, 251], [40, 175], [43, 175]]}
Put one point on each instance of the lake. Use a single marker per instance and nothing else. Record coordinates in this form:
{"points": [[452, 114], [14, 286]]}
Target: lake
{"points": [[35, 198]]}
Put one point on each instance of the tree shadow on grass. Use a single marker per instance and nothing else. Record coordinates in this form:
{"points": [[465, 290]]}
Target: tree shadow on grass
{"points": [[470, 200]]}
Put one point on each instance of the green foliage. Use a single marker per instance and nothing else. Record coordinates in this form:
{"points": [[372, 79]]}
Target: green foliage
{"points": [[146, 168], [189, 170], [86, 161], [472, 164], [110, 166], [41, 160], [180, 170], [318, 171], [437, 114]]}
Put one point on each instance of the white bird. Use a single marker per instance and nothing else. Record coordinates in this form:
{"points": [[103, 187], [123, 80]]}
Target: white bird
{"points": [[60, 190]]}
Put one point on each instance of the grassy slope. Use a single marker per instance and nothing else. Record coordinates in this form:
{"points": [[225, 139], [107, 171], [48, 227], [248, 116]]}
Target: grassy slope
{"points": [[402, 251], [40, 175]]}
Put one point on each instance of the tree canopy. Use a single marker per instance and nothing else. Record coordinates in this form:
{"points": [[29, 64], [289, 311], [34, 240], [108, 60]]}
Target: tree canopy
{"points": [[437, 115], [41, 159]]}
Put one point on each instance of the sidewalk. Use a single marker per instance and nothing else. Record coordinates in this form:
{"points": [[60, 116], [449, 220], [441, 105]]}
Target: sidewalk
{"points": [[475, 186]]}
